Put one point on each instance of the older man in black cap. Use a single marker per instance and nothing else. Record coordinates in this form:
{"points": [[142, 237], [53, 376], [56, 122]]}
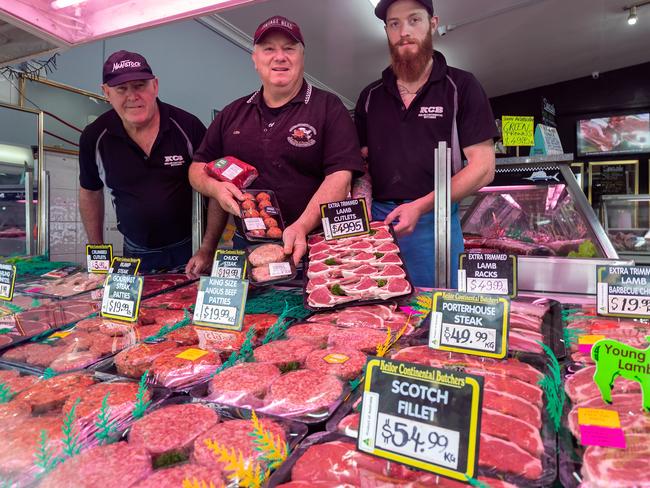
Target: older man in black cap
{"points": [[142, 150], [300, 139], [400, 119]]}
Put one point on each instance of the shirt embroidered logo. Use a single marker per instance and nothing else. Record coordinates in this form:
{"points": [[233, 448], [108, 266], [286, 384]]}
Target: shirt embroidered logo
{"points": [[175, 160], [431, 112], [302, 135]]}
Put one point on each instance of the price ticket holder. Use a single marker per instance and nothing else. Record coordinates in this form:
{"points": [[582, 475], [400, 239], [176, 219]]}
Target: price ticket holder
{"points": [[623, 291], [99, 258], [470, 324], [424, 417], [229, 263], [220, 303], [347, 218], [7, 281], [122, 290], [488, 273]]}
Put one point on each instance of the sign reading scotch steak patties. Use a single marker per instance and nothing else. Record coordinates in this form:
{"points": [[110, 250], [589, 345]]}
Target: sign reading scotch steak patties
{"points": [[121, 299], [623, 291], [424, 417], [469, 323], [99, 257], [220, 303], [229, 263], [488, 273], [7, 281], [347, 218]]}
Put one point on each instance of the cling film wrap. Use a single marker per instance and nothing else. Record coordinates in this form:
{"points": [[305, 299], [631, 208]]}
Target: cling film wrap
{"points": [[260, 218], [590, 466], [232, 170], [69, 286], [181, 298], [181, 368]]}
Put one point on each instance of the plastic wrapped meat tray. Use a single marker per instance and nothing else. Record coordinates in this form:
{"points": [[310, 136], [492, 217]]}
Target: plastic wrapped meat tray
{"points": [[180, 298], [71, 285]]}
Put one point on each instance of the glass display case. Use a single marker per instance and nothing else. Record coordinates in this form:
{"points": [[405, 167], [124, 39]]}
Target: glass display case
{"points": [[626, 219]]}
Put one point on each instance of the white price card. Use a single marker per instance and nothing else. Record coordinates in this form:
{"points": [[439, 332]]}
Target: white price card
{"points": [[220, 303]]}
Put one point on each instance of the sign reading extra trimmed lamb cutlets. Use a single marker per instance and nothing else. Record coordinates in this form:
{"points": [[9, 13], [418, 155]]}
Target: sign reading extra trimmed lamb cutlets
{"points": [[347, 218]]}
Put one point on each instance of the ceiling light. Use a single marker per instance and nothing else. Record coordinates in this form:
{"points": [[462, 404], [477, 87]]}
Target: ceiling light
{"points": [[59, 4], [373, 3], [632, 18]]}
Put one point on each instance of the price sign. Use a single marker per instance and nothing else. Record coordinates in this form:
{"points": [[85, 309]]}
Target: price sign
{"points": [[471, 324], [229, 264], [220, 303], [347, 218], [488, 274], [7, 281], [623, 291], [121, 299], [427, 418], [125, 266], [99, 257]]}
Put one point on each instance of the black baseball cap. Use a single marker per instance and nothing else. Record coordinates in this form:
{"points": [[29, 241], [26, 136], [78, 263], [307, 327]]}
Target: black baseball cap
{"points": [[279, 23], [382, 7], [123, 66]]}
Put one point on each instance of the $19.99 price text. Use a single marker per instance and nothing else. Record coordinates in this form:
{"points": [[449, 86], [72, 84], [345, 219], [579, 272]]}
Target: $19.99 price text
{"points": [[119, 307], [219, 314]]}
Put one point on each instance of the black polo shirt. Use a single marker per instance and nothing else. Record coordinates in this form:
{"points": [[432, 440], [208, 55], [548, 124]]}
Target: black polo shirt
{"points": [[401, 142], [311, 138], [152, 195]]}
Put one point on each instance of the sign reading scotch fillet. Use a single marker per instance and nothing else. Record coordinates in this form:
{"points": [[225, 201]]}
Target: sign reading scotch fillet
{"points": [[470, 324], [347, 218], [121, 298], [7, 281], [220, 303], [99, 257], [424, 417], [623, 291], [229, 263], [488, 273]]}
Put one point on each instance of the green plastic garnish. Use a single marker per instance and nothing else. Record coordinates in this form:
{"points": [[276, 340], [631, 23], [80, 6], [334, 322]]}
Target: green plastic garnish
{"points": [[5, 393], [372, 232], [331, 262], [48, 373], [551, 384], [477, 483], [45, 459], [274, 301], [354, 384], [379, 255], [5, 331], [571, 336], [336, 290], [169, 458], [279, 328], [106, 427], [71, 446], [381, 283], [141, 404], [292, 366], [585, 250]]}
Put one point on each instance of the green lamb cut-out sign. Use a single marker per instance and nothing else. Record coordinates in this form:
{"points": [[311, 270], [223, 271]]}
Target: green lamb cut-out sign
{"points": [[614, 359]]}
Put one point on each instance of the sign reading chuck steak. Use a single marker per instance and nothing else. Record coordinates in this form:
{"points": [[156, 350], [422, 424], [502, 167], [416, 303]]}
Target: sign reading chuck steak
{"points": [[117, 465], [184, 367], [133, 362], [172, 428], [174, 477], [343, 362], [360, 338], [243, 384], [233, 434], [51, 394], [301, 392], [283, 353]]}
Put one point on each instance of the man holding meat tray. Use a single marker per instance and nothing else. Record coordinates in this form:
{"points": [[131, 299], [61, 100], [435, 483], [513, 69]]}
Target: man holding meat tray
{"points": [[300, 139], [400, 119]]}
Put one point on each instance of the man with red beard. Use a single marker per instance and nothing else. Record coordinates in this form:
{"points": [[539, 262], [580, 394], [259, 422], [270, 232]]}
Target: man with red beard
{"points": [[401, 118]]}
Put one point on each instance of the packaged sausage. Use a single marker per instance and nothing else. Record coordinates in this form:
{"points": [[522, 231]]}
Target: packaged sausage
{"points": [[232, 170], [260, 217]]}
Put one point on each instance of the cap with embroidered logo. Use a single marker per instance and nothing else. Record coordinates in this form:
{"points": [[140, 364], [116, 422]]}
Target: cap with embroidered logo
{"points": [[123, 66], [281, 24], [382, 7]]}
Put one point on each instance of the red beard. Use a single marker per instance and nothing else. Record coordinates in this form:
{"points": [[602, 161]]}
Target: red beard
{"points": [[410, 66]]}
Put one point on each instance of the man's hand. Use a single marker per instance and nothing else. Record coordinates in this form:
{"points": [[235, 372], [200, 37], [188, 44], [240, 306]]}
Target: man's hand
{"points": [[295, 241], [408, 215], [228, 195], [199, 263]]}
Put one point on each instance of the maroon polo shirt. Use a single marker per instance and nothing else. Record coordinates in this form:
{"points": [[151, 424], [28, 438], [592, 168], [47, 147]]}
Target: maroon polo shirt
{"points": [[312, 137], [401, 142]]}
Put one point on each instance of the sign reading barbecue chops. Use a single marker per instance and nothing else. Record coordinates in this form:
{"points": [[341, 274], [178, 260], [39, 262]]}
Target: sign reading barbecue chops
{"points": [[424, 417], [220, 303], [121, 299], [229, 263], [7, 281], [469, 323], [488, 273], [99, 257], [623, 291], [347, 218]]}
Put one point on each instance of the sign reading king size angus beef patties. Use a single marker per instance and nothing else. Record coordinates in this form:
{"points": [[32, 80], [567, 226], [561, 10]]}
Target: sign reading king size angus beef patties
{"points": [[99, 257], [7, 281], [125, 266], [347, 218], [121, 299], [229, 263], [424, 417], [623, 291], [488, 273], [471, 324], [220, 303]]}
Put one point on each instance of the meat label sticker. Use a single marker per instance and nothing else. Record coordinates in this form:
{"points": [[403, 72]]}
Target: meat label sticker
{"points": [[347, 218], [191, 354], [599, 416], [125, 266], [229, 263], [336, 358], [280, 269], [470, 324], [586, 343], [7, 281], [121, 299], [623, 291], [220, 303], [254, 223], [593, 435], [488, 273], [99, 257], [424, 417]]}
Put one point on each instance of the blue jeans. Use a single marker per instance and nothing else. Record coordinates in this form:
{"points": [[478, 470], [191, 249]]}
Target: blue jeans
{"points": [[167, 258], [417, 248]]}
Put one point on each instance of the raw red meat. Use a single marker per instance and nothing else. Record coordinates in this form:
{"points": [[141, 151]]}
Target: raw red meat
{"points": [[363, 270], [580, 386], [343, 362], [530, 309], [15, 382], [175, 476], [50, 395], [350, 317], [89, 325], [172, 429], [512, 429], [220, 341], [184, 336], [232, 170], [314, 332], [507, 457], [243, 384], [70, 285], [74, 360], [528, 322], [156, 283], [391, 271], [284, 353], [321, 296], [134, 361], [117, 465], [20, 442], [394, 287], [628, 406], [513, 405], [525, 341], [390, 258], [177, 299], [302, 392], [13, 412], [387, 248], [172, 371], [360, 338]]}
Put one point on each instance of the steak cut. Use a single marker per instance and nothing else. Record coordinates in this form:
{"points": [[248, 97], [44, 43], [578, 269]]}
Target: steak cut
{"points": [[580, 386], [512, 429], [506, 456], [628, 406], [302, 392]]}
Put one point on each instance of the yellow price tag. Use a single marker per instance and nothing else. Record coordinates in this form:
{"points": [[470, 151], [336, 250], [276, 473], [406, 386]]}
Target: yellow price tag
{"points": [[192, 354], [599, 417], [61, 335], [336, 358], [590, 339]]}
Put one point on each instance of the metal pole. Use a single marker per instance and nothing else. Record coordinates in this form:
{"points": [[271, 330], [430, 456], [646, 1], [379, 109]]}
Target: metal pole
{"points": [[197, 220], [29, 205], [442, 210]]}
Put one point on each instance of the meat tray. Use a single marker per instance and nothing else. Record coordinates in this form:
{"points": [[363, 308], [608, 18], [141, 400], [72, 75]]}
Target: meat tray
{"points": [[260, 213]]}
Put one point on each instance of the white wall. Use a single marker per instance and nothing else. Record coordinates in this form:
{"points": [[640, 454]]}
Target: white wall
{"points": [[198, 69]]}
